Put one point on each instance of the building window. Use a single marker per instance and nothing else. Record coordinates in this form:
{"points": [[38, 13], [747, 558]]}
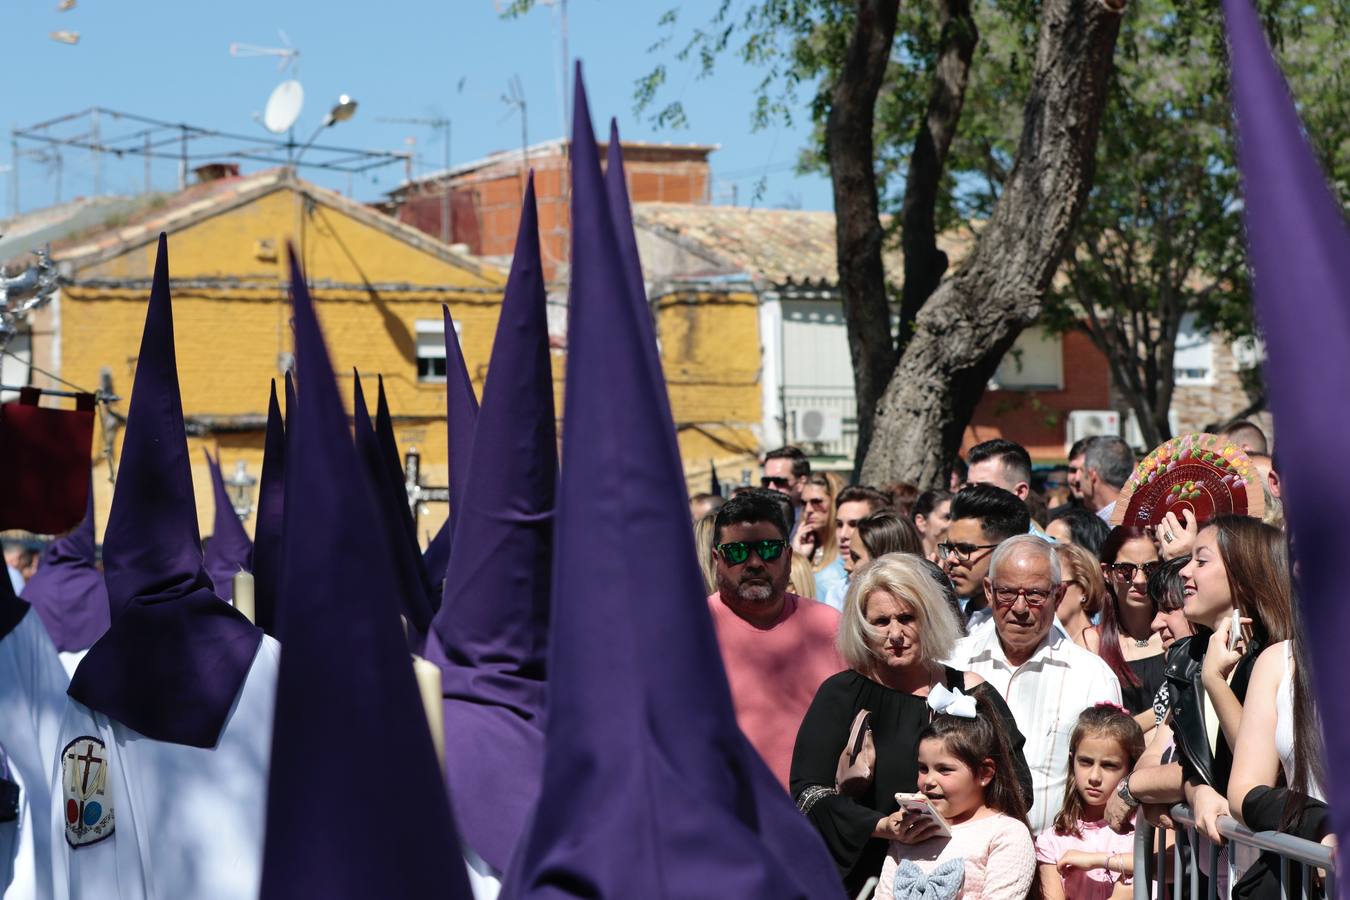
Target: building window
{"points": [[431, 348], [1035, 363], [1193, 363]]}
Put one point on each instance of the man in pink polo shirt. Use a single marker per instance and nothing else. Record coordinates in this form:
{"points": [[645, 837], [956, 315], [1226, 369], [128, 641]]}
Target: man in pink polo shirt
{"points": [[777, 647]]}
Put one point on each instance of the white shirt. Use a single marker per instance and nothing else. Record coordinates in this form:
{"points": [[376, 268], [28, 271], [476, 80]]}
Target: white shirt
{"points": [[1045, 694], [32, 696], [186, 821]]}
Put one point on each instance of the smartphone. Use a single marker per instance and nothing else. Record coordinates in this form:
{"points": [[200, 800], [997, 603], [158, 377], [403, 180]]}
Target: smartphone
{"points": [[920, 804], [1234, 629]]}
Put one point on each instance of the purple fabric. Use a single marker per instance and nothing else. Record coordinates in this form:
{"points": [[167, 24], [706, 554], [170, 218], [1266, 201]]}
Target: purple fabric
{"points": [[348, 715], [461, 408], [68, 590], [492, 628], [643, 751], [229, 550], [408, 584], [398, 496], [266, 562], [176, 655], [384, 430], [1299, 252]]}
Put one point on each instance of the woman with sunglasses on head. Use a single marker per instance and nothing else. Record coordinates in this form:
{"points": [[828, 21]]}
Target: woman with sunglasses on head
{"points": [[858, 744], [1128, 643], [1084, 595], [814, 538]]}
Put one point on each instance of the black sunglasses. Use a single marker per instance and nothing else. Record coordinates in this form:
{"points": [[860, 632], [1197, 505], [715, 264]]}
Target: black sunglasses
{"points": [[737, 552], [1125, 571], [774, 481]]}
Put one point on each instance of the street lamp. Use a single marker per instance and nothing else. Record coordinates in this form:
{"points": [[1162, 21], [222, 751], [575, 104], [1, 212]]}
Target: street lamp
{"points": [[240, 485], [343, 110]]}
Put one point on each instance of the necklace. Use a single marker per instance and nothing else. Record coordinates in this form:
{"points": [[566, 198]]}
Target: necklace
{"points": [[1139, 643]]}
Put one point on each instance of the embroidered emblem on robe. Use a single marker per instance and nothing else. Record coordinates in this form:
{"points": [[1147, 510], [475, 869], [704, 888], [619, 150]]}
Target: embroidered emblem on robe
{"points": [[85, 790]]}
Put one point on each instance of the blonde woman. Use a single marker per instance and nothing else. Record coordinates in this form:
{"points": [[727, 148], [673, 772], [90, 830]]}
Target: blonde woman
{"points": [[895, 629], [801, 580], [703, 542], [1084, 594], [814, 539]]}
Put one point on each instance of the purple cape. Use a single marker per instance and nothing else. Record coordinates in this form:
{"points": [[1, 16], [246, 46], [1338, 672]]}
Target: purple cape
{"points": [[229, 550], [348, 712], [175, 656], [68, 590], [1299, 252], [490, 635], [643, 751]]}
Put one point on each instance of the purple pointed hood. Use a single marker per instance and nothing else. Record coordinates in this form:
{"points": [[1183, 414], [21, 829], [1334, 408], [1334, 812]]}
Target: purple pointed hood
{"points": [[461, 409], [266, 562], [68, 590], [408, 584], [490, 635], [175, 656], [1299, 252], [229, 550], [347, 709], [643, 748], [398, 498]]}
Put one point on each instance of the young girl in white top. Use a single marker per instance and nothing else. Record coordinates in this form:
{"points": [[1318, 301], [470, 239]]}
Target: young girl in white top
{"points": [[966, 773], [1080, 857]]}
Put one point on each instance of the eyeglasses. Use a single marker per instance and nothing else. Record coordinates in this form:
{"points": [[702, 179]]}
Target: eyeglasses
{"points": [[1125, 571], [775, 481], [737, 552], [1034, 597], [962, 552]]}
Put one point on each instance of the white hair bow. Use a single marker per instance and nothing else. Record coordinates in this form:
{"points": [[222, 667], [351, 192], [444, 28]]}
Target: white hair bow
{"points": [[951, 702]]}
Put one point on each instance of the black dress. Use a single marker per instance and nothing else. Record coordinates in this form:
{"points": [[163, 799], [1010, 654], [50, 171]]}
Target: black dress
{"points": [[846, 823], [1151, 672]]}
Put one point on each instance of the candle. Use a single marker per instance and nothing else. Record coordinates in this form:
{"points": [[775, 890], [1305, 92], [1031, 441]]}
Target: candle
{"points": [[243, 593], [429, 686]]}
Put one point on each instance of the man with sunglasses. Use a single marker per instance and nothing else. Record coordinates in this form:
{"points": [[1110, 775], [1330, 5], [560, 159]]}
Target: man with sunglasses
{"points": [[1046, 679], [785, 471], [982, 517], [777, 647]]}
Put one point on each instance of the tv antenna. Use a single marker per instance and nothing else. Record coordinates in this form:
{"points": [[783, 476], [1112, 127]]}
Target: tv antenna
{"points": [[288, 55], [441, 123], [288, 97]]}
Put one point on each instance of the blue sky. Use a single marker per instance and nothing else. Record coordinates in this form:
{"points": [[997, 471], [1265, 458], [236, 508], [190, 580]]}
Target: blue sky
{"points": [[398, 58]]}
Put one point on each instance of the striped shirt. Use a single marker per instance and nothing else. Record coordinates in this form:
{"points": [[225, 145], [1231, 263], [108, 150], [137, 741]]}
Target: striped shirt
{"points": [[1046, 693]]}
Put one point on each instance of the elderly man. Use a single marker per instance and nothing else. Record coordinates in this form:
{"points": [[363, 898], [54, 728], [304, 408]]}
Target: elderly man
{"points": [[982, 517], [1046, 679], [1107, 465], [777, 647]]}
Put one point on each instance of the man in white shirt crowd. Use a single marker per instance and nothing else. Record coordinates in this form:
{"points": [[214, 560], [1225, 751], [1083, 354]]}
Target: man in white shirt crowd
{"points": [[1046, 679]]}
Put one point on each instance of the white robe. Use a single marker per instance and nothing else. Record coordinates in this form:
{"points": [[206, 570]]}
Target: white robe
{"points": [[32, 697], [187, 822]]}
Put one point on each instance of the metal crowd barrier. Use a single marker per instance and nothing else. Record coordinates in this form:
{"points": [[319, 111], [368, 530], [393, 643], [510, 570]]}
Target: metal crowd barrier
{"points": [[1150, 843]]}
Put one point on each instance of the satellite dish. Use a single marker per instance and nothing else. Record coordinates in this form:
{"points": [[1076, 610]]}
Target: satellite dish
{"points": [[283, 107]]}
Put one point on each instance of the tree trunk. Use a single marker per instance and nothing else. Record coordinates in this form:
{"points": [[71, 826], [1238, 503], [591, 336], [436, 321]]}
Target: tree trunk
{"points": [[972, 319], [925, 264], [858, 232]]}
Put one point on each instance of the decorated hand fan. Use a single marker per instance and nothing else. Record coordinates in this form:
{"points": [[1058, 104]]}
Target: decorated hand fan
{"points": [[1204, 473]]}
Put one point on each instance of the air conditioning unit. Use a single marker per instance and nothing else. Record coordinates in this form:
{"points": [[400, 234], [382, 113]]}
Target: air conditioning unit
{"points": [[1084, 423], [816, 425]]}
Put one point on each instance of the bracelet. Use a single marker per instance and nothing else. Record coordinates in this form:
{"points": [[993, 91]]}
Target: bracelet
{"points": [[1123, 792], [812, 795]]}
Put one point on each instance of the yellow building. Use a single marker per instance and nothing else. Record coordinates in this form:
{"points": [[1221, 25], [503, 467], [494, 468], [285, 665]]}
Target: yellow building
{"points": [[378, 285]]}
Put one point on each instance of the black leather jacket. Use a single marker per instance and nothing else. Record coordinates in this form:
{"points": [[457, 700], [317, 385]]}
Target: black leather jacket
{"points": [[1184, 663]]}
